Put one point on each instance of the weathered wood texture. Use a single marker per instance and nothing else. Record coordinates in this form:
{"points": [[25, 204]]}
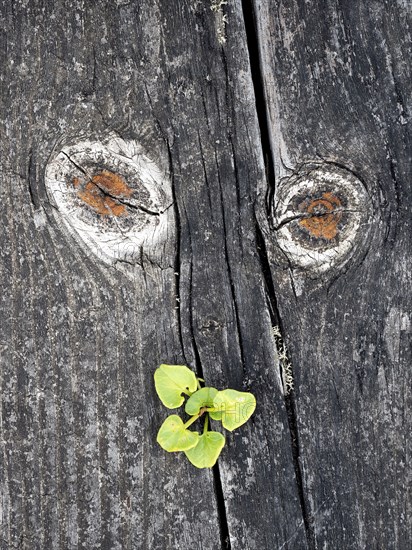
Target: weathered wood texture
{"points": [[338, 90], [325, 467], [81, 340]]}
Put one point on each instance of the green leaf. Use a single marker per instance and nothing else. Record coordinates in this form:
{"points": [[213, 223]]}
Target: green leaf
{"points": [[173, 436], [216, 415], [236, 407], [173, 380], [201, 398], [207, 450]]}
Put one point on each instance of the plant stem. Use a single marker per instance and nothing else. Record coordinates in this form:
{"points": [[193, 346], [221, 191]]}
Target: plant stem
{"points": [[206, 424], [191, 420]]}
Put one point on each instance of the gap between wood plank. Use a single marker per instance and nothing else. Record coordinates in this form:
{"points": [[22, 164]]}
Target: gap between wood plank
{"points": [[249, 17], [220, 499]]}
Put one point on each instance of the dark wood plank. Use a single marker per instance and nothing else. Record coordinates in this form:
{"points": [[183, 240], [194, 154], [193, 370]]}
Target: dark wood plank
{"points": [[82, 338], [225, 321], [338, 88]]}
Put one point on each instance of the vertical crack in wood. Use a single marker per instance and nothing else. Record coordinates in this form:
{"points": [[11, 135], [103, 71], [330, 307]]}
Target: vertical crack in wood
{"points": [[196, 354], [260, 100], [221, 507], [32, 180], [177, 253], [220, 499], [252, 38], [289, 398], [229, 268]]}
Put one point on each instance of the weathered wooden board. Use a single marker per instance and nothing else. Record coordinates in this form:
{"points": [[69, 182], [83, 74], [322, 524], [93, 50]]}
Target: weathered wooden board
{"points": [[337, 80], [189, 98], [81, 338]]}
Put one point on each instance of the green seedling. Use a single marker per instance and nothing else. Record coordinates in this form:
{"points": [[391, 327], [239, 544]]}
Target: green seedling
{"points": [[175, 383]]}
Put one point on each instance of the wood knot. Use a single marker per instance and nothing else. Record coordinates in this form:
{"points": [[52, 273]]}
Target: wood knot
{"points": [[104, 193], [323, 216], [318, 213], [112, 196]]}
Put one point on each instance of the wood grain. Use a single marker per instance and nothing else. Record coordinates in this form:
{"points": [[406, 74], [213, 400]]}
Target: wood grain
{"points": [[235, 103], [337, 89], [80, 340]]}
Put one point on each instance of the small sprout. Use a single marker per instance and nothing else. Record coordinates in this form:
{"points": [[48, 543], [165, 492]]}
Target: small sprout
{"points": [[171, 382], [173, 435], [202, 398], [207, 450], [235, 407], [231, 407]]}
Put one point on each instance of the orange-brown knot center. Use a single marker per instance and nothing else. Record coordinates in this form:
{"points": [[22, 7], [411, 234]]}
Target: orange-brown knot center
{"points": [[103, 192], [323, 216]]}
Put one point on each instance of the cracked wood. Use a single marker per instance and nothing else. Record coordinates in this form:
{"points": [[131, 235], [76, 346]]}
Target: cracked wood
{"points": [[166, 89], [85, 321], [336, 88]]}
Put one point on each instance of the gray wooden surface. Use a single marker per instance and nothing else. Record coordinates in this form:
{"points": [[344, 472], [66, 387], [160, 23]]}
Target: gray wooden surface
{"points": [[281, 135]]}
